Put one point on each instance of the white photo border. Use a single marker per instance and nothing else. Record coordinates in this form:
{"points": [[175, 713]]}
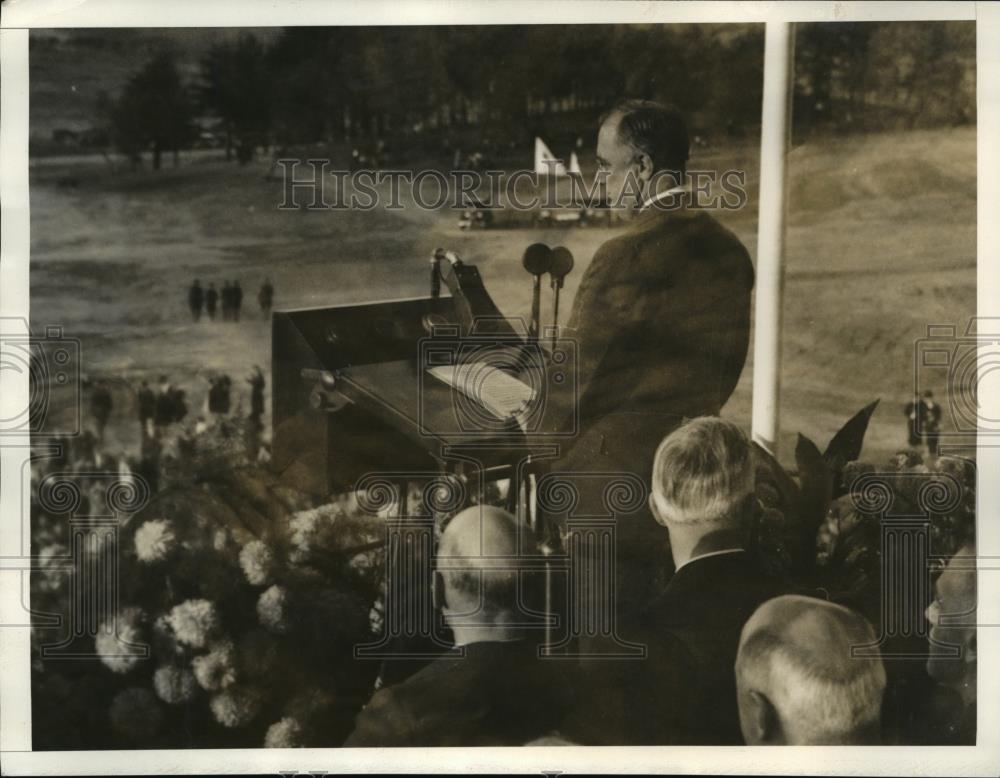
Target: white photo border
{"points": [[16, 758]]}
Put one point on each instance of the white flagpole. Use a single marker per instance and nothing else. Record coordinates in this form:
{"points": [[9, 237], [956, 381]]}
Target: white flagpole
{"points": [[779, 43]]}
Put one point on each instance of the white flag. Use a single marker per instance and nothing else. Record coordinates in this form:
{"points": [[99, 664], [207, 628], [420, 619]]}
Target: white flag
{"points": [[546, 162]]}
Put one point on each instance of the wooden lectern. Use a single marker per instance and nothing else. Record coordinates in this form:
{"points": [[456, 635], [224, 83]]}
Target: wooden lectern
{"points": [[354, 393]]}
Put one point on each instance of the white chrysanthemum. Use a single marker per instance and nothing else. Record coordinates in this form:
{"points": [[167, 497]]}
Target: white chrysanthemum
{"points": [[258, 562], [236, 706], [376, 618], [273, 609], [53, 561], [286, 733], [304, 530], [194, 622], [365, 561], [117, 641], [258, 652], [135, 713], [154, 540], [174, 684], [216, 669], [315, 529], [221, 540]]}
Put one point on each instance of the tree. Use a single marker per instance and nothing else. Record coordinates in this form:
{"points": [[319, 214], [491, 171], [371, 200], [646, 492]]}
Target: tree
{"points": [[236, 87], [154, 111]]}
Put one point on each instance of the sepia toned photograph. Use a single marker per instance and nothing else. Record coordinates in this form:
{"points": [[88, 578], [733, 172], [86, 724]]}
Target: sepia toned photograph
{"points": [[493, 385]]}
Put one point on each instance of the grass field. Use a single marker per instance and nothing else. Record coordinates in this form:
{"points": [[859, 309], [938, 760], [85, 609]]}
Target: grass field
{"points": [[881, 243]]}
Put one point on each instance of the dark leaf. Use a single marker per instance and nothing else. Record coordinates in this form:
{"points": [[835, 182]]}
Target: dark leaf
{"points": [[815, 493], [773, 473], [845, 446]]}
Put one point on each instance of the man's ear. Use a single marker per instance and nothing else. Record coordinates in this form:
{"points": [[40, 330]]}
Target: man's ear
{"points": [[437, 591], [763, 722], [643, 167], [969, 648], [655, 510]]}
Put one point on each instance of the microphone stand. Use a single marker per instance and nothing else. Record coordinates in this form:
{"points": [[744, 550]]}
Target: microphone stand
{"points": [[436, 274], [536, 315], [562, 264], [557, 284]]}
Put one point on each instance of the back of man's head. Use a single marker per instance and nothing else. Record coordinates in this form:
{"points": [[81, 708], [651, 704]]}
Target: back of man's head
{"points": [[703, 473], [478, 563], [655, 129], [797, 680], [952, 615]]}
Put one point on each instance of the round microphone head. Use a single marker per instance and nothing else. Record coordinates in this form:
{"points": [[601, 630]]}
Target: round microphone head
{"points": [[562, 262], [537, 259]]}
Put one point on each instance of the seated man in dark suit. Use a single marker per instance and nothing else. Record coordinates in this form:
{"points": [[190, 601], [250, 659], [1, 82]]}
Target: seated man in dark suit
{"points": [[684, 691], [798, 682], [492, 690]]}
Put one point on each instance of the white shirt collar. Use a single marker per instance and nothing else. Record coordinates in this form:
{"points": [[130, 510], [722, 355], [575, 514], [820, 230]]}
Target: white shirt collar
{"points": [[661, 195], [710, 553]]}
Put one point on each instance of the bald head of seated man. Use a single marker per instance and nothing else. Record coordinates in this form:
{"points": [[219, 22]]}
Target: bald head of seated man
{"points": [[797, 682], [952, 617], [492, 689], [477, 566], [950, 713]]}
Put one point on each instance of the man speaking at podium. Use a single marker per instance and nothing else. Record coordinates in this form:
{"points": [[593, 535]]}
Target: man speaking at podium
{"points": [[661, 323], [661, 320]]}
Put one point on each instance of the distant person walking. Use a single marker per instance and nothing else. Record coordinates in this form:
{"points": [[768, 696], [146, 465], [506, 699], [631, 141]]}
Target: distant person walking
{"points": [[148, 465], [266, 297], [237, 300], [227, 301], [923, 422], [219, 398], [257, 383], [164, 411], [932, 423], [100, 407], [914, 420], [146, 400], [196, 297], [147, 409], [211, 301]]}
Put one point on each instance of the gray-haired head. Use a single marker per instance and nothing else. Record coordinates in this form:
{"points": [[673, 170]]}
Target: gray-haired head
{"points": [[798, 681], [703, 473], [952, 616]]}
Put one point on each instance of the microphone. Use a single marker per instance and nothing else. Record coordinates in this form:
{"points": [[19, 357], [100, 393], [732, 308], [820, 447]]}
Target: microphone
{"points": [[436, 258], [537, 260], [559, 268]]}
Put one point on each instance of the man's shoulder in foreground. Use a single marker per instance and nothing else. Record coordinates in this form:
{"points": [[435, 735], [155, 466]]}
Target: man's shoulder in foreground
{"points": [[692, 634], [498, 693], [715, 588]]}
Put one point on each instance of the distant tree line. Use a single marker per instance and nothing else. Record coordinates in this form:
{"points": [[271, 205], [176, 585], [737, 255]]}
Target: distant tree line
{"points": [[503, 84]]}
